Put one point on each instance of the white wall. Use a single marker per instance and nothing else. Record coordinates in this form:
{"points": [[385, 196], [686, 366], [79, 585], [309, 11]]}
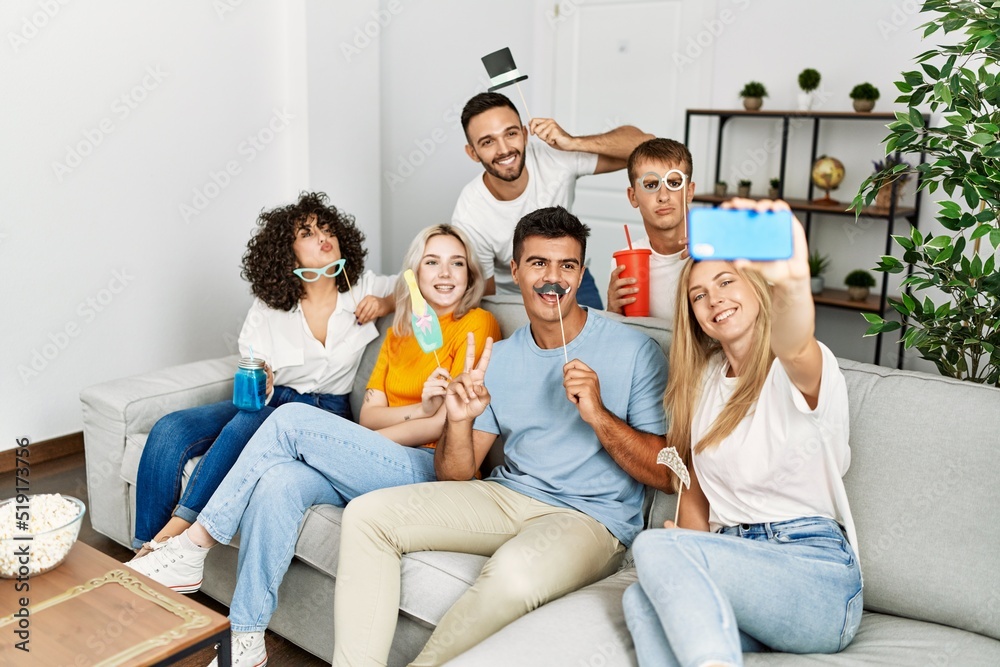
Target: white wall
{"points": [[103, 272]]}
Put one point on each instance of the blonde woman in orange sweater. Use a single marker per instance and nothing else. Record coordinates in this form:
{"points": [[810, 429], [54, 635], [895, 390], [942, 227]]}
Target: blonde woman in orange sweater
{"points": [[302, 456]]}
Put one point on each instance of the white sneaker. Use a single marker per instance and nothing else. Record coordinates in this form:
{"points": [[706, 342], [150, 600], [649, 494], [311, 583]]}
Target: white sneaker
{"points": [[149, 547], [175, 566], [248, 650]]}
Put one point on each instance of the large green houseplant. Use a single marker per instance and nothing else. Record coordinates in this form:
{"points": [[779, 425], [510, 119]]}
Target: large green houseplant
{"points": [[962, 157]]}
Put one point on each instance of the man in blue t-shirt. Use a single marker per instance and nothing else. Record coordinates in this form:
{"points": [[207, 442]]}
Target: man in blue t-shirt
{"points": [[580, 440]]}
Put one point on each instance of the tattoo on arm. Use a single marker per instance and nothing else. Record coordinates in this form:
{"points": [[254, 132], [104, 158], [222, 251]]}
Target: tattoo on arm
{"points": [[368, 395], [406, 418]]}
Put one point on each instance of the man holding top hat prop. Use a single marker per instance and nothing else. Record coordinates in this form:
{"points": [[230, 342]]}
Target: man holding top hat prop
{"points": [[521, 176], [580, 439]]}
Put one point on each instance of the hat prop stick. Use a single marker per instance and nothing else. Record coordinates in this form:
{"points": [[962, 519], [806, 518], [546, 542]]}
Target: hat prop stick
{"points": [[503, 72], [426, 327], [559, 291], [669, 457]]}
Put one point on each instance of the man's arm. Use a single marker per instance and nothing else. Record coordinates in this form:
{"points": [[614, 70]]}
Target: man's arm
{"points": [[612, 147]]}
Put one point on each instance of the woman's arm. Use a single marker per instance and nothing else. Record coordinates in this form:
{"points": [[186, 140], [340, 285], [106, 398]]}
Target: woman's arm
{"points": [[376, 413], [693, 506], [416, 432]]}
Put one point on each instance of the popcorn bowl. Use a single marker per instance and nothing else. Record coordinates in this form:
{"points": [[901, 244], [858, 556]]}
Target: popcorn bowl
{"points": [[57, 520]]}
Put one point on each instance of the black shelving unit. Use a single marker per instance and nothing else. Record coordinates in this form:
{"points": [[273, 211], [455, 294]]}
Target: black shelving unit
{"points": [[829, 297]]}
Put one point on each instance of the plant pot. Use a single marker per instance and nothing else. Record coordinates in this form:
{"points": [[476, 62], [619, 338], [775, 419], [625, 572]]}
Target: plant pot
{"points": [[857, 293], [772, 193], [752, 103], [864, 106], [805, 101], [743, 191], [883, 198], [816, 284], [720, 190]]}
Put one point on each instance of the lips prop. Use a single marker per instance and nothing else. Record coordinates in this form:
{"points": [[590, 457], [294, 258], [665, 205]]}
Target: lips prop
{"points": [[559, 291], [426, 327]]}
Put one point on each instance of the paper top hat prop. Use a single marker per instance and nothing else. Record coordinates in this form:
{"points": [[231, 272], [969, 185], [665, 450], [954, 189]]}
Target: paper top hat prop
{"points": [[501, 69], [426, 327]]}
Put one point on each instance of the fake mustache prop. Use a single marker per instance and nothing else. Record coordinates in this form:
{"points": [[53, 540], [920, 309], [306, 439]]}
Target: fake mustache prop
{"points": [[559, 291]]}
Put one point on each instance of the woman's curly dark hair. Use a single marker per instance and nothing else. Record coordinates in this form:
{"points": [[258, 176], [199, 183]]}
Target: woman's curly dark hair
{"points": [[270, 259]]}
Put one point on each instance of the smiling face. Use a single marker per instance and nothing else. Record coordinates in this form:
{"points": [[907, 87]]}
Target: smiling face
{"points": [[724, 302], [497, 140], [315, 246], [662, 209], [543, 261], [443, 274]]}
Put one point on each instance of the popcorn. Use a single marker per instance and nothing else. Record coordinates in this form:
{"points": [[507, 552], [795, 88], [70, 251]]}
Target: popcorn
{"points": [[46, 514]]}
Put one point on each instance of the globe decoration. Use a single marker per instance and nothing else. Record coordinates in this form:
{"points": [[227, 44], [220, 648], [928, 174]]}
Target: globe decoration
{"points": [[827, 173]]}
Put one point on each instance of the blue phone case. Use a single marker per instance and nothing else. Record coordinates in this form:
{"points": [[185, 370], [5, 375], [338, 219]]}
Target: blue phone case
{"points": [[717, 233]]}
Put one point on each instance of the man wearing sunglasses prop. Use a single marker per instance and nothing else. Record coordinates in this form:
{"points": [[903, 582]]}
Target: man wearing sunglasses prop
{"points": [[660, 186]]}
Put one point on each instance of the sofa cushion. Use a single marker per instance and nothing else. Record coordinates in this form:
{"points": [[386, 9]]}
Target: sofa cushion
{"points": [[588, 628], [922, 476]]}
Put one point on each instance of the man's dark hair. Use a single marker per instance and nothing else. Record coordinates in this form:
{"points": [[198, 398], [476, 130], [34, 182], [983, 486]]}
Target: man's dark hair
{"points": [[664, 150], [554, 222], [484, 102]]}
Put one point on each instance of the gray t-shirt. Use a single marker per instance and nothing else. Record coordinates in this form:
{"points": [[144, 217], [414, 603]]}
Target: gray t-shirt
{"points": [[550, 453]]}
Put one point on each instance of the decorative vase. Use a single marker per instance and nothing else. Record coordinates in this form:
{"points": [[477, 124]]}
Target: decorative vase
{"points": [[816, 284], [772, 193], [743, 191], [864, 106], [720, 189], [805, 101], [883, 198], [857, 293], [752, 103]]}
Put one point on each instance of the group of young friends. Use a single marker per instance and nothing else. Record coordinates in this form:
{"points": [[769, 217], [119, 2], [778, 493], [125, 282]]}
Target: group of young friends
{"points": [[763, 556]]}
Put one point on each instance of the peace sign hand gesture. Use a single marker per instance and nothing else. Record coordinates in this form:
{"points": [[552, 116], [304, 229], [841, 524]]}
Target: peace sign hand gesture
{"points": [[467, 396]]}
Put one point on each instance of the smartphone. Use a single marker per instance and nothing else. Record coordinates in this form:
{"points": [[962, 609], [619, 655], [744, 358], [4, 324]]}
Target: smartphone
{"points": [[719, 233]]}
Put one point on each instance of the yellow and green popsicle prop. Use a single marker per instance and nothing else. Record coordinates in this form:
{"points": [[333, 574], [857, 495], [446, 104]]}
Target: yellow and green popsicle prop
{"points": [[426, 327]]}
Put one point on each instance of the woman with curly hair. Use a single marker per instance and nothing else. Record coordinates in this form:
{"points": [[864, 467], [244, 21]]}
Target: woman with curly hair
{"points": [[310, 322], [302, 457]]}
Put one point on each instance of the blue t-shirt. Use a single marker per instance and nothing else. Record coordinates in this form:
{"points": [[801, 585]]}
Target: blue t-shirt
{"points": [[550, 453]]}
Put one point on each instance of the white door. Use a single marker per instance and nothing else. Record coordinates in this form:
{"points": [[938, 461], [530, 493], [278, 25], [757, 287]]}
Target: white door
{"points": [[625, 63]]}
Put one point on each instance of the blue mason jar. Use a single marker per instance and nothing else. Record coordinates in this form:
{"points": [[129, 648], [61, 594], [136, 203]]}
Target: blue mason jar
{"points": [[250, 385]]}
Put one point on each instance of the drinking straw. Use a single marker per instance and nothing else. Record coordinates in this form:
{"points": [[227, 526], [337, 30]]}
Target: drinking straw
{"points": [[628, 237]]}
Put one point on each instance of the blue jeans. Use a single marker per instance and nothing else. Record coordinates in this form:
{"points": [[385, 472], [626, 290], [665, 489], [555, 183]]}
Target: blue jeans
{"points": [[792, 586], [588, 294], [218, 433], [299, 457]]}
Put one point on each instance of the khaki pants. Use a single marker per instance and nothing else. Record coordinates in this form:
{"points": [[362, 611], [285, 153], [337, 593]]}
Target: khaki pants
{"points": [[538, 553]]}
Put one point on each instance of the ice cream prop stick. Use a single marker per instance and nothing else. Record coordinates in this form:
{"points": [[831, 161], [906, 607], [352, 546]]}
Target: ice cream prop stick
{"points": [[426, 327], [669, 457], [503, 72], [558, 290]]}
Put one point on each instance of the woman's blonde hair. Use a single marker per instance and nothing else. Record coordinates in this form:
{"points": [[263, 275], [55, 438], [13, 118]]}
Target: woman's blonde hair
{"points": [[690, 351], [411, 260]]}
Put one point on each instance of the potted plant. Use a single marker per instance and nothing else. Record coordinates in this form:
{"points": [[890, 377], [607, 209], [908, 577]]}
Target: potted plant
{"points": [[864, 96], [961, 157], [743, 190], [859, 283], [808, 82], [774, 191], [720, 189], [817, 265], [895, 181], [753, 95]]}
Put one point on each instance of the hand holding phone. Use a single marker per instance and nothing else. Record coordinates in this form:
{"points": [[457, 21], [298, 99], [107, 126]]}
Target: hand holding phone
{"points": [[732, 233]]}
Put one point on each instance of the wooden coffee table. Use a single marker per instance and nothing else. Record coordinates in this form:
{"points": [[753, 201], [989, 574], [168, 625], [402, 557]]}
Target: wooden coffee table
{"points": [[93, 611]]}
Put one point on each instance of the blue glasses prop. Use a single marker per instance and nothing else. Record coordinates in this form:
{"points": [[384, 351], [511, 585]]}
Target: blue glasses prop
{"points": [[674, 180], [312, 275]]}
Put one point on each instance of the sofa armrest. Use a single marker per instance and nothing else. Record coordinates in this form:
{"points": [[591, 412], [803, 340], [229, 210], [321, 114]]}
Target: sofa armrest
{"points": [[119, 409]]}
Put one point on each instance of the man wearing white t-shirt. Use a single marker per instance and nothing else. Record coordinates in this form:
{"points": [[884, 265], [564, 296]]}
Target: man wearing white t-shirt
{"points": [[521, 176], [662, 207]]}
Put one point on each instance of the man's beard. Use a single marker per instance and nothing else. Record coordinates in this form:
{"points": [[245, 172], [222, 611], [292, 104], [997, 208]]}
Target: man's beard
{"points": [[519, 168]]}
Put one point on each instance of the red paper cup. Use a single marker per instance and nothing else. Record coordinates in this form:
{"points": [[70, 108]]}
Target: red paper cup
{"points": [[636, 263]]}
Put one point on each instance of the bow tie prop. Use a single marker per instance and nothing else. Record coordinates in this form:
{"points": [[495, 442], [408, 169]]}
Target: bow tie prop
{"points": [[426, 327], [503, 72], [559, 291], [669, 457]]}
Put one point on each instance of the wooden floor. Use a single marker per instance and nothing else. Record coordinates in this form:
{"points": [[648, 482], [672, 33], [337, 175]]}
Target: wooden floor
{"points": [[67, 476]]}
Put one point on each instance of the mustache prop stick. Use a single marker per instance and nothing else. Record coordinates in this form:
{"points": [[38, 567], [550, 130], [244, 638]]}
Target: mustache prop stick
{"points": [[426, 327], [503, 72], [559, 291]]}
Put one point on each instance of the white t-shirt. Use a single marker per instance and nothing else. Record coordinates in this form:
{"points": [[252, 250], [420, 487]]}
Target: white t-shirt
{"points": [[784, 461], [664, 272], [283, 339], [490, 222]]}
